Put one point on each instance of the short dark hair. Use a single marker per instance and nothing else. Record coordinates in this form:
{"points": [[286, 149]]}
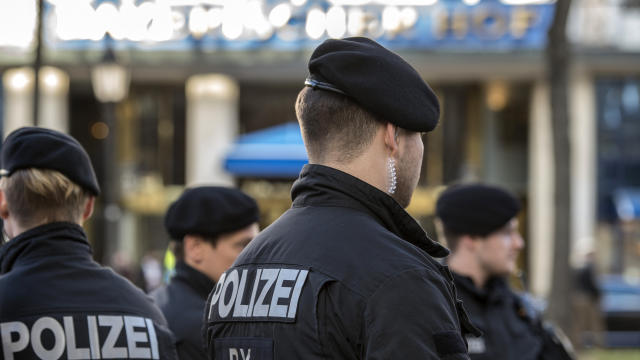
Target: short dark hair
{"points": [[453, 239], [177, 247], [331, 121]]}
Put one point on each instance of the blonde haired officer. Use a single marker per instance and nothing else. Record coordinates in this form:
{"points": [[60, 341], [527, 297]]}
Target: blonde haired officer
{"points": [[55, 301]]}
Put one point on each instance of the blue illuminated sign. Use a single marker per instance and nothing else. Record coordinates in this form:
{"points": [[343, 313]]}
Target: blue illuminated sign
{"points": [[279, 25]]}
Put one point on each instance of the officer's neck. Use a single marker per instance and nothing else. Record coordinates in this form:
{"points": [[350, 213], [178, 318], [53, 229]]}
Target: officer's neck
{"points": [[466, 265], [369, 166], [13, 228]]}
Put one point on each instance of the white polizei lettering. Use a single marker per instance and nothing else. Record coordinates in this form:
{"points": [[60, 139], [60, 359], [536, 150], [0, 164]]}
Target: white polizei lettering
{"points": [[108, 348], [260, 309], [153, 340], [94, 339], [281, 292], [9, 347], [240, 310], [233, 354], [254, 290], [42, 324], [134, 337], [232, 280], [16, 337], [216, 294], [293, 304], [73, 352], [238, 354]]}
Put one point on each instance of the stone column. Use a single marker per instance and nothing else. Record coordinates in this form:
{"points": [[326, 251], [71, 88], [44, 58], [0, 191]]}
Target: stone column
{"points": [[18, 99], [582, 132], [212, 125], [541, 174], [53, 112], [541, 187]]}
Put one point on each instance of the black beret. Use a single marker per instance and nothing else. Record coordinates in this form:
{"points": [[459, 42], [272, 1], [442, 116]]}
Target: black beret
{"points": [[34, 147], [476, 209], [210, 211], [378, 80]]}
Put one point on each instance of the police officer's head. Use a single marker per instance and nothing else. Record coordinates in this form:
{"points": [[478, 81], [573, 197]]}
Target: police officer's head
{"points": [[363, 109], [481, 228], [210, 226], [46, 177]]}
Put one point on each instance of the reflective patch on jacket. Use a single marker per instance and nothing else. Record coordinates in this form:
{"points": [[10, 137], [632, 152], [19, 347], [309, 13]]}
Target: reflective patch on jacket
{"points": [[476, 345], [257, 294]]}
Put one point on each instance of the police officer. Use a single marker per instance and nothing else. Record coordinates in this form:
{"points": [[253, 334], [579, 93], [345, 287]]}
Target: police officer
{"points": [[210, 227], [55, 301], [346, 273], [481, 228]]}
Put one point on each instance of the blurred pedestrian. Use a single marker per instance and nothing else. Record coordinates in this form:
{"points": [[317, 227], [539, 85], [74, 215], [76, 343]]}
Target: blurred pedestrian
{"points": [[588, 324], [55, 301], [346, 273], [151, 271], [481, 228], [120, 262], [209, 226]]}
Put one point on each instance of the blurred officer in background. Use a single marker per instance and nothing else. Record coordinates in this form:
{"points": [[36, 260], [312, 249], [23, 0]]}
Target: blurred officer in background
{"points": [[481, 228], [55, 301], [210, 227], [346, 273]]}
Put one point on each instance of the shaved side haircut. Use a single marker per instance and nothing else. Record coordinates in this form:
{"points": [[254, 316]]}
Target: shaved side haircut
{"points": [[333, 126]]}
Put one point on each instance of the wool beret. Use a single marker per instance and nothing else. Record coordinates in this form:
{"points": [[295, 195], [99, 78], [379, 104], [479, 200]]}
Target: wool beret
{"points": [[377, 79], [210, 211], [476, 209], [34, 147]]}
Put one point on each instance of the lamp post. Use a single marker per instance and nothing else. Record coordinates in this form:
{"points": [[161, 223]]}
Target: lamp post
{"points": [[110, 81]]}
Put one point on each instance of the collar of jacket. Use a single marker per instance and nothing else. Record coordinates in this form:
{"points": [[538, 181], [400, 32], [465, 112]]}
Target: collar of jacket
{"points": [[320, 185], [494, 290], [194, 279], [45, 240]]}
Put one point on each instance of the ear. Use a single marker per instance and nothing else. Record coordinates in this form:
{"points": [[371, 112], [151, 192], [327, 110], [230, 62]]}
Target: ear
{"points": [[4, 207], [467, 242], [193, 248], [390, 139], [88, 208]]}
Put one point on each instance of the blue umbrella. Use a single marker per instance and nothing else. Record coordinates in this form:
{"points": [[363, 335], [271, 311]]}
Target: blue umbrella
{"points": [[276, 152]]}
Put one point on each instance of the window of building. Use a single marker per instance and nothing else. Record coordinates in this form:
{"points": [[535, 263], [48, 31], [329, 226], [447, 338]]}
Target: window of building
{"points": [[618, 114]]}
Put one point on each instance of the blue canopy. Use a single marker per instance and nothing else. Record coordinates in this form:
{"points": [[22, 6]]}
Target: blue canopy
{"points": [[276, 152]]}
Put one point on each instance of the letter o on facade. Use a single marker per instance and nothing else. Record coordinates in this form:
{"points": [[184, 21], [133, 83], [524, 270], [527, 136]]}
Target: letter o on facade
{"points": [[47, 323], [233, 280]]}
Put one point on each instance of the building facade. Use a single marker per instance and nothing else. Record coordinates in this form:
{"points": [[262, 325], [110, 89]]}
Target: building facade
{"points": [[203, 72]]}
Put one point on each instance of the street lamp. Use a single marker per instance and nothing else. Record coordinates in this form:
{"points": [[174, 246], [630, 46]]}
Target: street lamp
{"points": [[110, 82]]}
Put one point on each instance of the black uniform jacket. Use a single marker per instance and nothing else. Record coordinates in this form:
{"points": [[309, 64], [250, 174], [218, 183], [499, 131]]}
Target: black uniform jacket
{"points": [[508, 331], [57, 303], [344, 274], [182, 302]]}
